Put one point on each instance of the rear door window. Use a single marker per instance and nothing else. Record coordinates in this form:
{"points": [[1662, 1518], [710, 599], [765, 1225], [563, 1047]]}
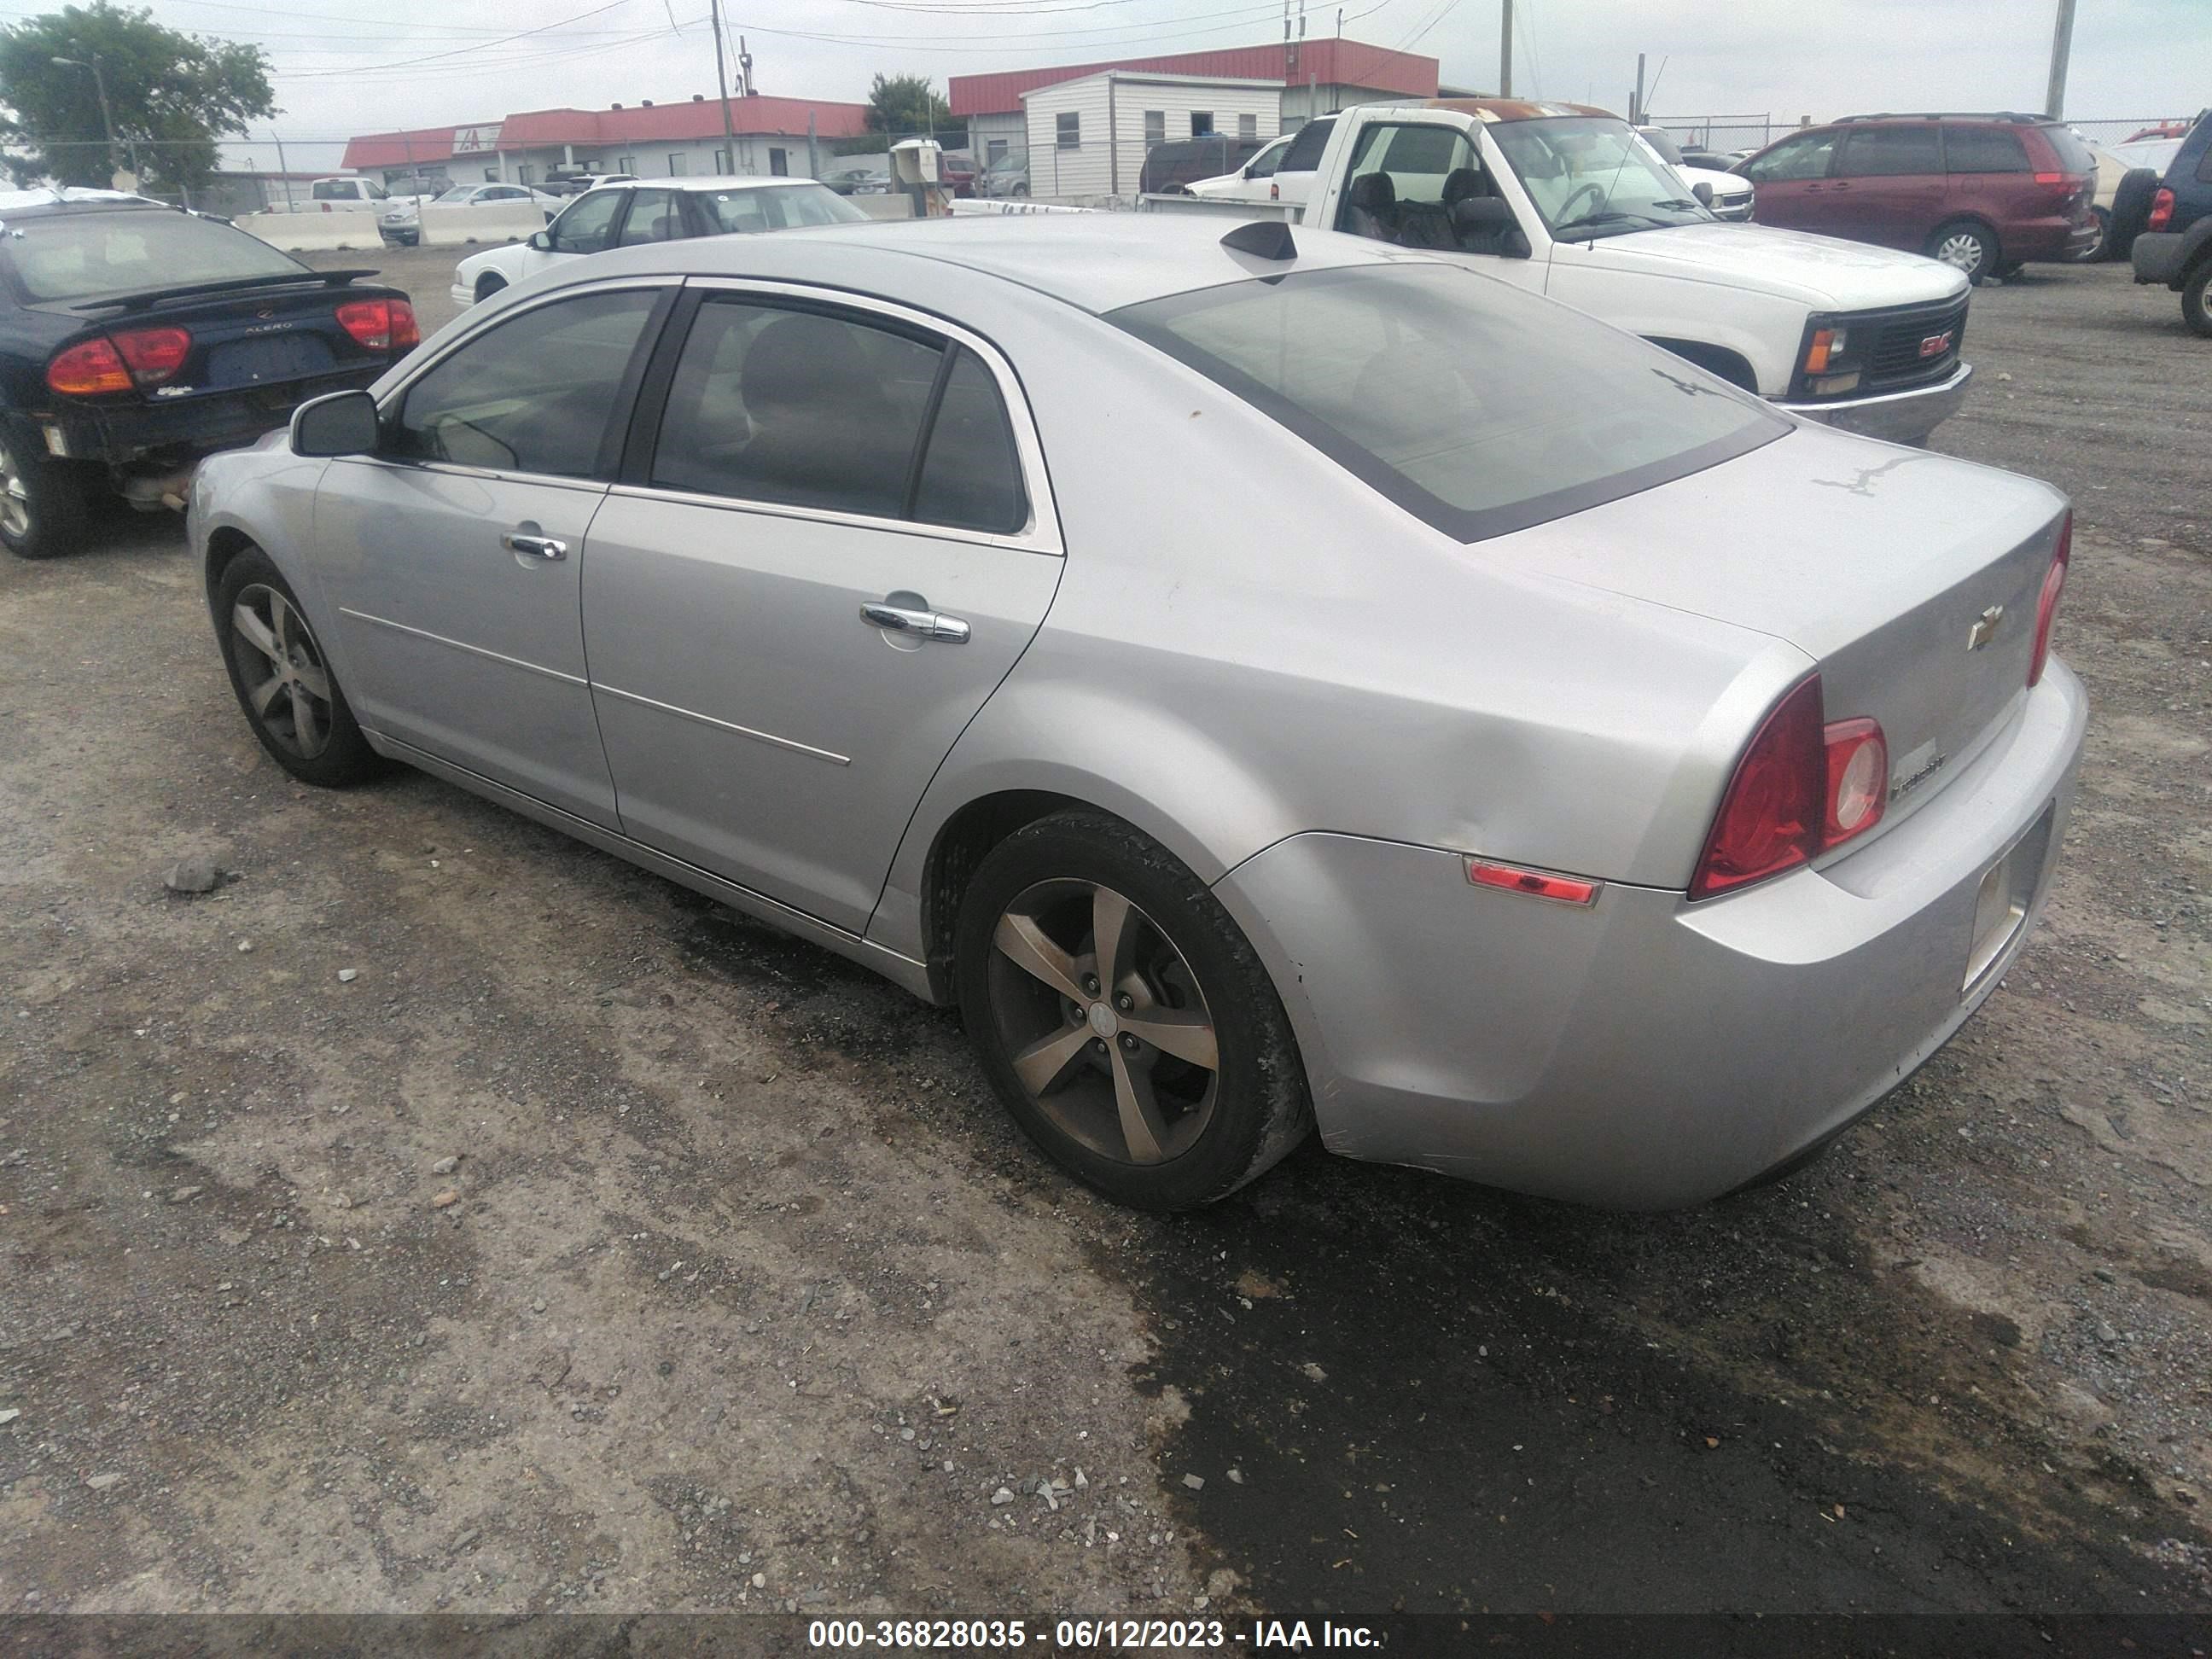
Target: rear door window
{"points": [[1891, 152], [1986, 149]]}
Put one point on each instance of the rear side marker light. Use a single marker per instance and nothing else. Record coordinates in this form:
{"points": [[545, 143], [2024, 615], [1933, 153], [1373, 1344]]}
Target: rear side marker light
{"points": [[2046, 603], [1803, 786], [1536, 884]]}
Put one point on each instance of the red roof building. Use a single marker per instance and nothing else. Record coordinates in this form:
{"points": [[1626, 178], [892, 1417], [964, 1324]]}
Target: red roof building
{"points": [[1324, 63]]}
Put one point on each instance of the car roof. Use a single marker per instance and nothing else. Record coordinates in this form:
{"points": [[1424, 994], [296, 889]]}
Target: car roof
{"points": [[711, 181], [1512, 109], [1097, 262], [49, 198]]}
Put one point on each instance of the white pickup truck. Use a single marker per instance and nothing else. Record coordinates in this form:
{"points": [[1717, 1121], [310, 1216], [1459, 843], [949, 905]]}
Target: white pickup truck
{"points": [[1566, 200]]}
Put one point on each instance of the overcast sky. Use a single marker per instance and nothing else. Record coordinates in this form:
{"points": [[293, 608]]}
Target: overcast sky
{"points": [[347, 66]]}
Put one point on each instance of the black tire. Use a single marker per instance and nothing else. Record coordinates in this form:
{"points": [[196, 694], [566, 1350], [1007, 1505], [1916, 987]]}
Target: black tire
{"points": [[2095, 252], [2130, 210], [2197, 300], [1191, 966], [315, 738], [488, 285], [46, 504], [1951, 241]]}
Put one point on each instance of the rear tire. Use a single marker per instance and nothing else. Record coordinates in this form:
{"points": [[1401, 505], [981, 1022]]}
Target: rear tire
{"points": [[2130, 210], [1078, 942], [46, 504], [1968, 248], [285, 684], [2197, 300], [2096, 250]]}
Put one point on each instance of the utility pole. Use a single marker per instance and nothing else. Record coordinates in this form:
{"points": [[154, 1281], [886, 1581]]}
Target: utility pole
{"points": [[722, 85], [1636, 116], [2062, 48], [1505, 48]]}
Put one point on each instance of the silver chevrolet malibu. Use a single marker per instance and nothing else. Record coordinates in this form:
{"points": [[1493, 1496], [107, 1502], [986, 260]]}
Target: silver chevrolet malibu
{"points": [[1267, 684]]}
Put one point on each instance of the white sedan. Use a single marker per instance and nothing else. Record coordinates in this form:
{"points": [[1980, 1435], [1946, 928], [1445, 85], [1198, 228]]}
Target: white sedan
{"points": [[640, 211], [401, 221]]}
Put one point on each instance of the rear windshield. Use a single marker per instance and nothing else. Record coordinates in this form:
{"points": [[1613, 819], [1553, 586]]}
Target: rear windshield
{"points": [[80, 256], [1476, 407], [2073, 155], [778, 207]]}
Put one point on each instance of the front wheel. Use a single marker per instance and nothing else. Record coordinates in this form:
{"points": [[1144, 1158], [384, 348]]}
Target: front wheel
{"points": [[283, 680], [2196, 301], [46, 504], [487, 286], [1968, 248], [1123, 1020]]}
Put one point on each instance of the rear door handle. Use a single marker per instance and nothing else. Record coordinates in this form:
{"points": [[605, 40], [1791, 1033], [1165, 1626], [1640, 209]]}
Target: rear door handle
{"points": [[910, 613], [542, 547]]}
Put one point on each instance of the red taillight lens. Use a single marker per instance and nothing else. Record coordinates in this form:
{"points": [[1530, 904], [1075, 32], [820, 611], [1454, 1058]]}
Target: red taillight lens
{"points": [[380, 324], [2162, 208], [2046, 605], [1800, 788], [153, 355], [82, 370]]}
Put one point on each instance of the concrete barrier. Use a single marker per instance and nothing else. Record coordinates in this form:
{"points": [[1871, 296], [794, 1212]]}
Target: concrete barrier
{"points": [[1005, 207], [884, 207], [312, 232], [482, 221]]}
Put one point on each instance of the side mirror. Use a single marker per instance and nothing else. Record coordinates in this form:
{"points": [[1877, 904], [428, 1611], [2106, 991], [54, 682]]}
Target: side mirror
{"points": [[1514, 244], [542, 240], [342, 424], [1703, 192], [1479, 213]]}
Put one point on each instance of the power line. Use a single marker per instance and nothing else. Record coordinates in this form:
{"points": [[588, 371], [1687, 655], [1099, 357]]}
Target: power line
{"points": [[432, 58]]}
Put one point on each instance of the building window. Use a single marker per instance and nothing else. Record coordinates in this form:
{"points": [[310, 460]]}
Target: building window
{"points": [[628, 165], [525, 173], [1247, 126], [778, 162], [1068, 130], [993, 149], [1155, 126], [678, 164], [1201, 123], [722, 163]]}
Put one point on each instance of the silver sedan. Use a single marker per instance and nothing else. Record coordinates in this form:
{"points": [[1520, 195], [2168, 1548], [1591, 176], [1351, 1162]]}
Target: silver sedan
{"points": [[1267, 685]]}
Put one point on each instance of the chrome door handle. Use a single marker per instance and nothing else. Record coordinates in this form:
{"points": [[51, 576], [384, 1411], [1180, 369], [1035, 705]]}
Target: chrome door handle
{"points": [[544, 547], [922, 624]]}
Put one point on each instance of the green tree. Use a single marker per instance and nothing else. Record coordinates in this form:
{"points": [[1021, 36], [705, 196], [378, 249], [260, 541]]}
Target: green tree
{"points": [[902, 105], [170, 96]]}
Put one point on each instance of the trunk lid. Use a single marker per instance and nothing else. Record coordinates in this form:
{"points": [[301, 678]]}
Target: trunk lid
{"points": [[1910, 579]]}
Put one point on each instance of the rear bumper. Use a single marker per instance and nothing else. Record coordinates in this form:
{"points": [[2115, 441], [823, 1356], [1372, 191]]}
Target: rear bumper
{"points": [[1646, 1053], [1904, 417], [2158, 257], [189, 427]]}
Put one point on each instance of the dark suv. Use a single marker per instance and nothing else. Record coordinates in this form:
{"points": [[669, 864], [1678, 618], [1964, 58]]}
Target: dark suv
{"points": [[2176, 245], [1985, 193]]}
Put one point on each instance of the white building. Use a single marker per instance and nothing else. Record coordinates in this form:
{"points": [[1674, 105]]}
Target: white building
{"points": [[1088, 136]]}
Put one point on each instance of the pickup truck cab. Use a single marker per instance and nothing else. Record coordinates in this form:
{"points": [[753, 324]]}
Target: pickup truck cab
{"points": [[1566, 200]]}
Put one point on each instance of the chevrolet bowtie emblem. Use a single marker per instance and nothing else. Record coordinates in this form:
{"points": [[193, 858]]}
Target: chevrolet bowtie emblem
{"points": [[1985, 627]]}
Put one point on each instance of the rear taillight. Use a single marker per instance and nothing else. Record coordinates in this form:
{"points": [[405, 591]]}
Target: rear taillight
{"points": [[153, 355], [2046, 603], [82, 370], [2162, 208], [380, 324], [1802, 788]]}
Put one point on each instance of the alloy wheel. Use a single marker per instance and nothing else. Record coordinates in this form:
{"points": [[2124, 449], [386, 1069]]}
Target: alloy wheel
{"points": [[1103, 1022], [287, 682], [14, 495]]}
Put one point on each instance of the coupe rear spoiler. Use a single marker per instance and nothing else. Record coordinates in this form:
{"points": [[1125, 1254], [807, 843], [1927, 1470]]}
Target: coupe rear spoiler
{"points": [[146, 300]]}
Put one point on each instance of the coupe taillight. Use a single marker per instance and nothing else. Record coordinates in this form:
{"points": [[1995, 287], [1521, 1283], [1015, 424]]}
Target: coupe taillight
{"points": [[2046, 603], [2162, 210], [380, 324], [118, 362], [1804, 786]]}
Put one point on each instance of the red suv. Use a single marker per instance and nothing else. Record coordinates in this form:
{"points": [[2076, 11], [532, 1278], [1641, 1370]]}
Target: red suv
{"points": [[1983, 192]]}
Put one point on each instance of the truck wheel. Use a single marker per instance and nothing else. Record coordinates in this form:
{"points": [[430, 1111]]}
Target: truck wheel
{"points": [[44, 504], [2197, 300], [1966, 247]]}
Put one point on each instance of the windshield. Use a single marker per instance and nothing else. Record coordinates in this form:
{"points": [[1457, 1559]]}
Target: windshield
{"points": [[460, 193], [780, 207], [1591, 176], [1476, 407], [83, 255]]}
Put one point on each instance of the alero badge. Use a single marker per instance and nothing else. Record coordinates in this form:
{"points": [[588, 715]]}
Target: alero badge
{"points": [[1985, 627]]}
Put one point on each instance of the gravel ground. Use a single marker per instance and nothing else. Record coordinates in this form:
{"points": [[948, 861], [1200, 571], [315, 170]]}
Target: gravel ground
{"points": [[439, 1214]]}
